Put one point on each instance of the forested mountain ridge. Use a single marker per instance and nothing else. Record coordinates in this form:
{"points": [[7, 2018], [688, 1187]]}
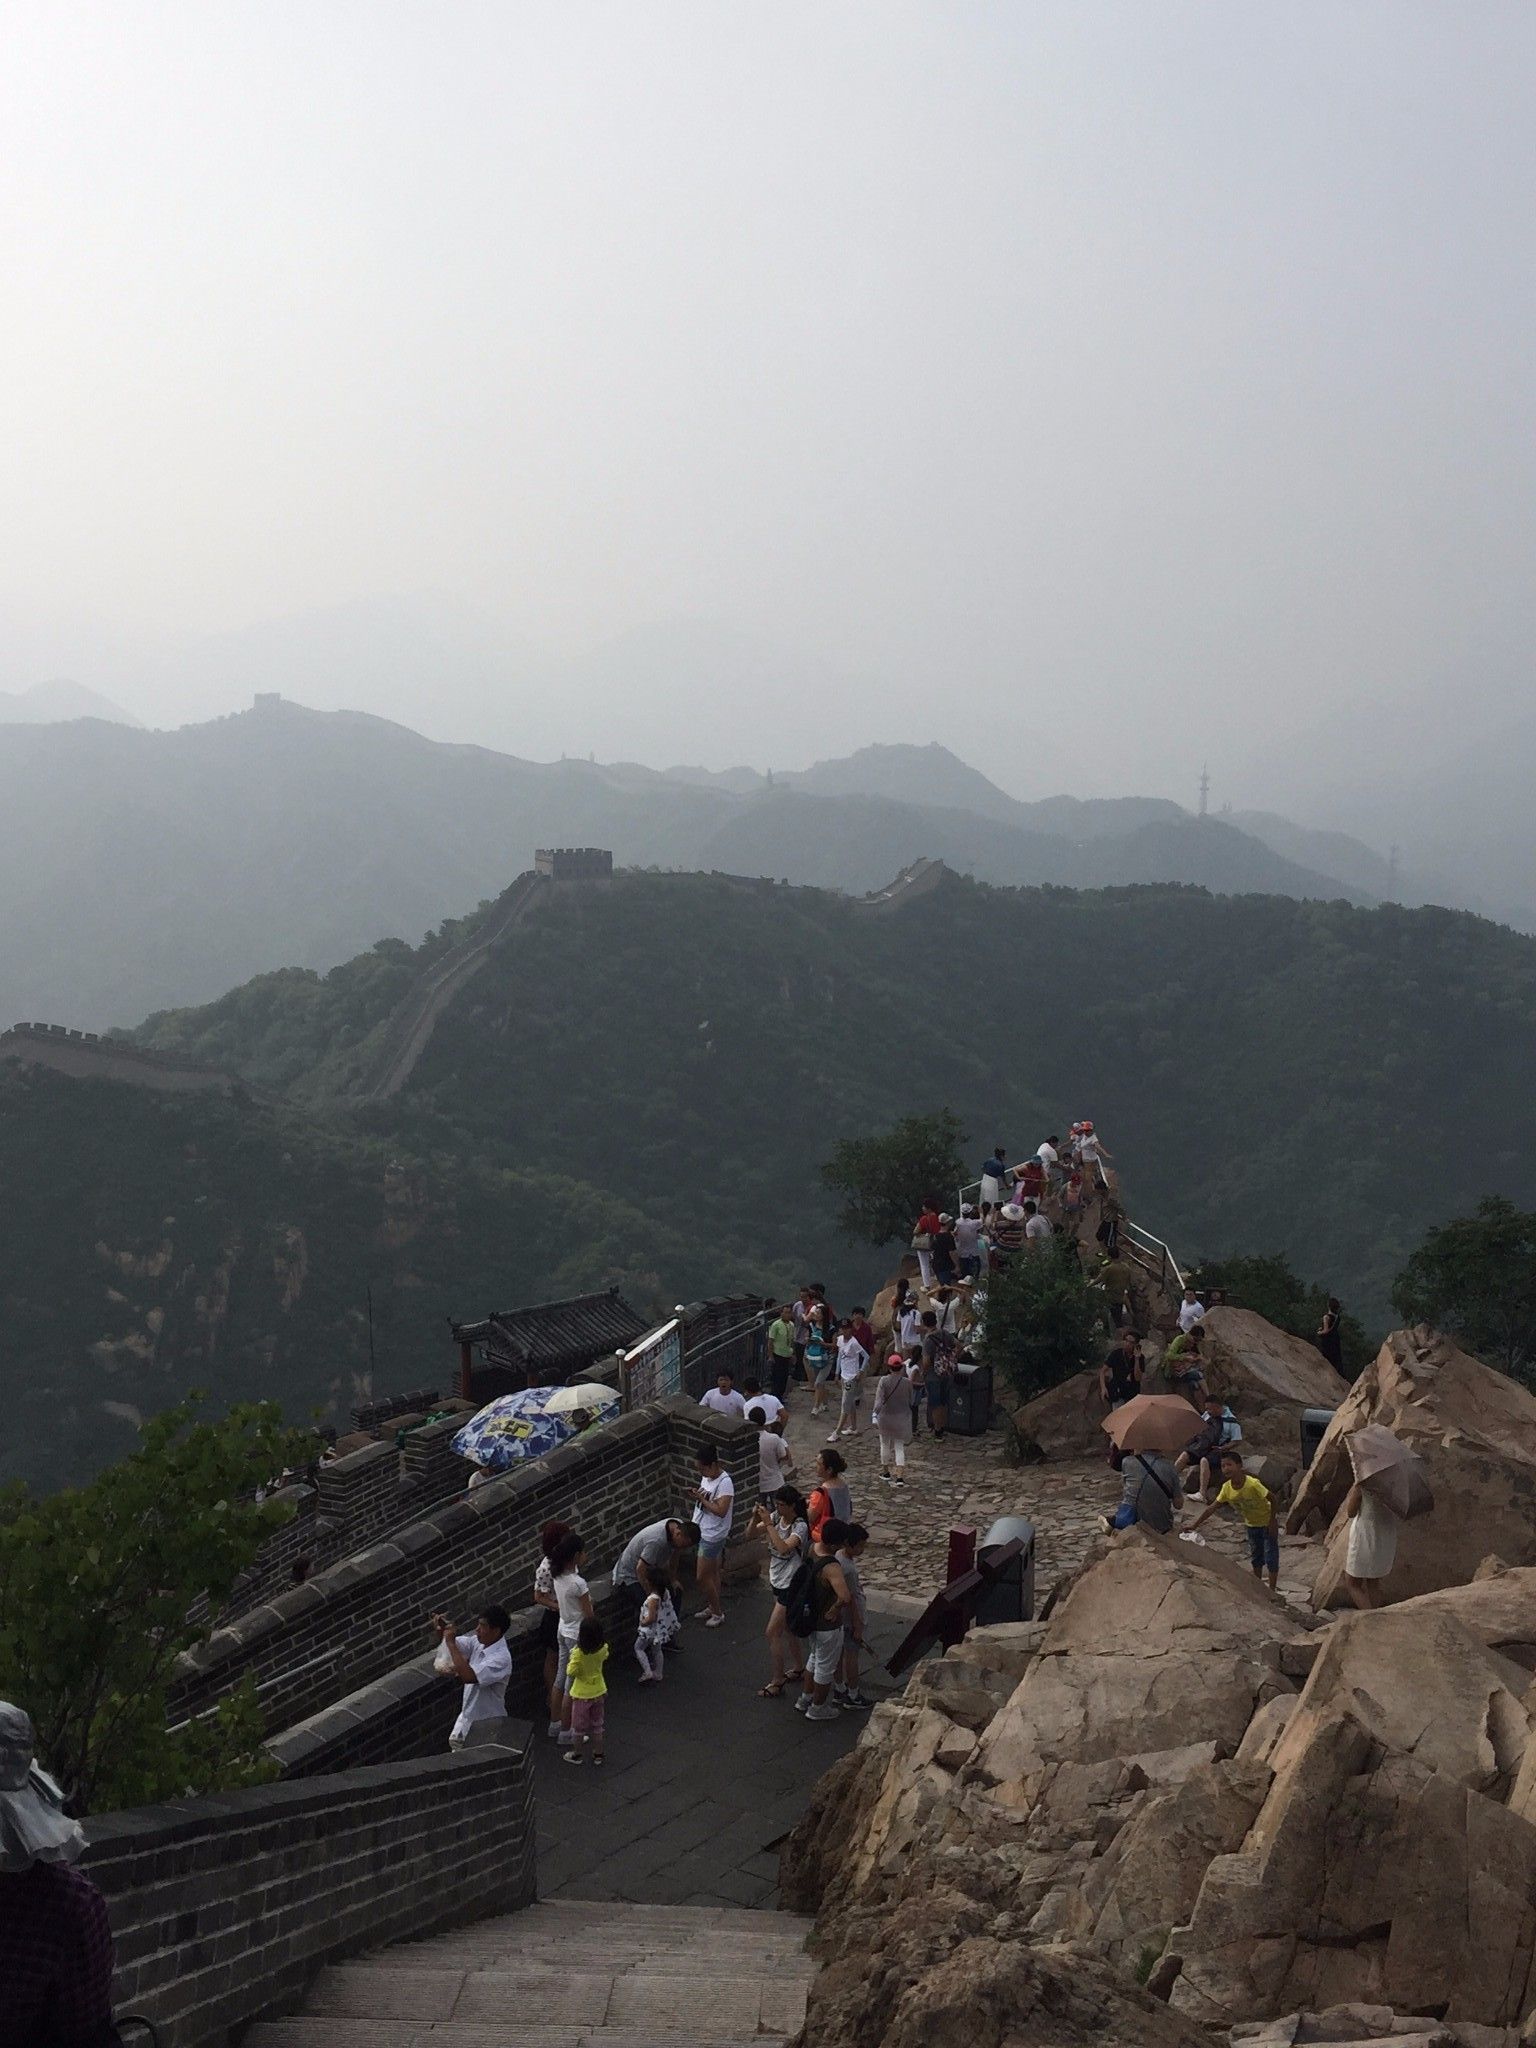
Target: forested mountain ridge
{"points": [[1275, 1074], [147, 868], [640, 1085], [167, 1241]]}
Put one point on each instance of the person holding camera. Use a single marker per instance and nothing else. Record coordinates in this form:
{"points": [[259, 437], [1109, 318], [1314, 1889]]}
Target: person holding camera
{"points": [[483, 1662]]}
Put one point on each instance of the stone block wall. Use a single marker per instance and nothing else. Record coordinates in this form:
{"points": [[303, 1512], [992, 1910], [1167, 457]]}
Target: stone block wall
{"points": [[355, 1501], [410, 1711], [358, 1620], [224, 1909]]}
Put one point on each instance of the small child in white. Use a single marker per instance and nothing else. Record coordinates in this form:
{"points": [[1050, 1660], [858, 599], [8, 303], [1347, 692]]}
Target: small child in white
{"points": [[845, 1692], [658, 1627]]}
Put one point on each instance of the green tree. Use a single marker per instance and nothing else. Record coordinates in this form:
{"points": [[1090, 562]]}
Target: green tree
{"points": [[1043, 1322], [1475, 1278], [96, 1590], [885, 1181], [1269, 1285]]}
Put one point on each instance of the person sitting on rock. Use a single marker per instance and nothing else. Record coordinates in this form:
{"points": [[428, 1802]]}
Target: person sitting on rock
{"points": [[1255, 1503], [1204, 1450], [1184, 1364], [1191, 1310]]}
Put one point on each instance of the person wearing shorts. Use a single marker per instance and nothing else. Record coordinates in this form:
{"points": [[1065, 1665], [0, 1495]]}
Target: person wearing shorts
{"points": [[1255, 1503], [833, 1606], [714, 1505]]}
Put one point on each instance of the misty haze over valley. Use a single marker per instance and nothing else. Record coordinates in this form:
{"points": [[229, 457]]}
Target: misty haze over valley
{"points": [[1085, 448]]}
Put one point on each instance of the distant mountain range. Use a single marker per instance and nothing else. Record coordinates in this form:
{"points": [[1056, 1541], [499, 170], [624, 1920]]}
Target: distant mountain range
{"points": [[50, 703], [147, 869]]}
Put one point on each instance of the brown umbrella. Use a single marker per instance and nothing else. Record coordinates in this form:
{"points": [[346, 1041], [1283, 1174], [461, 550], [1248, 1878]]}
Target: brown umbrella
{"points": [[1153, 1422], [1387, 1468]]}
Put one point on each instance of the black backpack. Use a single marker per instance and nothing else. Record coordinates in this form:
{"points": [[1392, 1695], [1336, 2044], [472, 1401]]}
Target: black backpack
{"points": [[802, 1601]]}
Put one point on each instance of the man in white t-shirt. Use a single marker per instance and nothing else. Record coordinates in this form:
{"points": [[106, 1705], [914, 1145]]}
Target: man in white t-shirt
{"points": [[1191, 1311], [723, 1399], [775, 1462], [761, 1407], [714, 1505], [484, 1663], [1050, 1160], [1037, 1227]]}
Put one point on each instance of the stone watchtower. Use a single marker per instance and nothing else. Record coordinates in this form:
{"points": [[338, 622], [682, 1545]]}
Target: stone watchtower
{"points": [[574, 863]]}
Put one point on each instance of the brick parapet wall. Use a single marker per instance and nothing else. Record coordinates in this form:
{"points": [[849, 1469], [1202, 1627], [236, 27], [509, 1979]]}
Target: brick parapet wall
{"points": [[224, 1908], [356, 1501], [356, 1621], [410, 1711]]}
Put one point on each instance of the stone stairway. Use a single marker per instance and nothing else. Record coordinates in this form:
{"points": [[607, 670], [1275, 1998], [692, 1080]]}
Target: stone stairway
{"points": [[572, 1974]]}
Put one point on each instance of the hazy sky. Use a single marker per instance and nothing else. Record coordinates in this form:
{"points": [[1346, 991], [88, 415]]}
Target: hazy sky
{"points": [[1098, 386]]}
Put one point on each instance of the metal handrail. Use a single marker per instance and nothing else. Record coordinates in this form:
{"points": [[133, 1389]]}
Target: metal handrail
{"points": [[1142, 1241]]}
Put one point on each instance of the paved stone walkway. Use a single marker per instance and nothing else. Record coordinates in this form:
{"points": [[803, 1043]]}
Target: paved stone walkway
{"points": [[963, 1481], [702, 1777]]}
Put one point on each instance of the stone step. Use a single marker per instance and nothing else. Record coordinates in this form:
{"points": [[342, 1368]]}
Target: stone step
{"points": [[521, 1995], [307, 2032], [619, 1916], [605, 1957]]}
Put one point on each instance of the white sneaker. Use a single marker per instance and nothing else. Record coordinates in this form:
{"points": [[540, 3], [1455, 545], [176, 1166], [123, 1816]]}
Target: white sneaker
{"points": [[832, 1439], [825, 1712], [713, 1620], [802, 1702], [554, 1729]]}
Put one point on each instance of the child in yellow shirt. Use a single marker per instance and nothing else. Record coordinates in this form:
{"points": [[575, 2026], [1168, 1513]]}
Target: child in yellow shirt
{"points": [[1254, 1502], [588, 1689]]}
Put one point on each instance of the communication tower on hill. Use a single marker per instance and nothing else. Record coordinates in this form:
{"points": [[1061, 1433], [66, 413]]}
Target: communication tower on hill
{"points": [[1205, 790]]}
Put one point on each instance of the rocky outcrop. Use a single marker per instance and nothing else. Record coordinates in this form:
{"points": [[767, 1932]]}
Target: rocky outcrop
{"points": [[1385, 1865], [1250, 1360], [988, 1798], [1174, 1786], [1475, 1430], [1065, 1421], [1265, 1375], [1113, 1675]]}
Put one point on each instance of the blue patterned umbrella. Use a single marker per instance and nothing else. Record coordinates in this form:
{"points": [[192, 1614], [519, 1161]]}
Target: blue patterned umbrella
{"points": [[517, 1426]]}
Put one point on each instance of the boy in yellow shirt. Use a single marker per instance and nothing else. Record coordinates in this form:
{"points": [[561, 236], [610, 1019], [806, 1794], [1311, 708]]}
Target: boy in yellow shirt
{"points": [[588, 1689], [1253, 1501]]}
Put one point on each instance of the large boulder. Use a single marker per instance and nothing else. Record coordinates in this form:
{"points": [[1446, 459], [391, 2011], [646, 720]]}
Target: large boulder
{"points": [[1385, 1865], [1498, 1606], [1065, 1421], [1251, 1363], [1159, 1645], [1267, 1378], [1475, 1430]]}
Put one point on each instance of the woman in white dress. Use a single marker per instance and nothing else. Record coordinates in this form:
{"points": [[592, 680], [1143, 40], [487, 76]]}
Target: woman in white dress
{"points": [[1372, 1549]]}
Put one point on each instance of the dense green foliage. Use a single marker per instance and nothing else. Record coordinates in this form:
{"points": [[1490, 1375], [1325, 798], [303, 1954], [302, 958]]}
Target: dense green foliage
{"points": [[95, 1590], [644, 1079], [167, 1241], [1274, 1290], [886, 1181], [1043, 1320], [1475, 1278]]}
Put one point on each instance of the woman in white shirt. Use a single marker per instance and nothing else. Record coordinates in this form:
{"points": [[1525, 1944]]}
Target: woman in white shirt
{"points": [[851, 1361], [573, 1604], [784, 1524], [714, 1506]]}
